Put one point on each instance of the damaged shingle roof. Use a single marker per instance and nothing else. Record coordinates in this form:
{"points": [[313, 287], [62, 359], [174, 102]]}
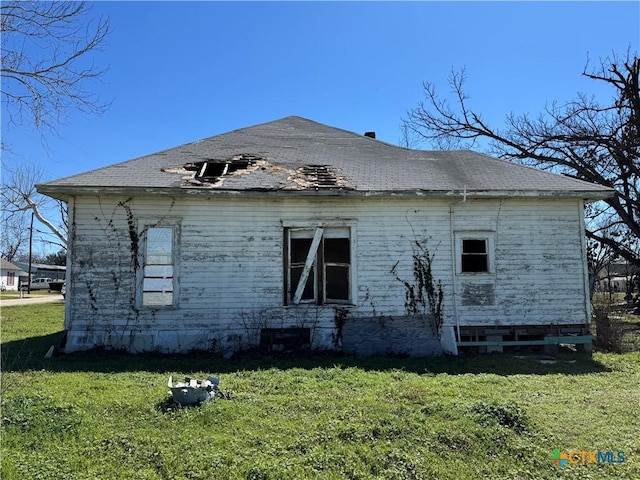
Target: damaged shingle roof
{"points": [[296, 154]]}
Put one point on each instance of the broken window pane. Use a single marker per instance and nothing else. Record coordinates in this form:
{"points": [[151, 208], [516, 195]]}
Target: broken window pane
{"points": [[474, 256], [300, 249], [337, 283], [336, 250]]}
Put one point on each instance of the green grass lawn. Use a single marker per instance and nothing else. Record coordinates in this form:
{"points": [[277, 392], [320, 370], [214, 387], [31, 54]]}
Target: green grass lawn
{"points": [[106, 416], [13, 295]]}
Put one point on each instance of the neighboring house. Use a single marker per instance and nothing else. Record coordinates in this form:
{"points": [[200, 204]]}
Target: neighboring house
{"points": [[616, 277], [293, 232], [9, 275], [42, 270]]}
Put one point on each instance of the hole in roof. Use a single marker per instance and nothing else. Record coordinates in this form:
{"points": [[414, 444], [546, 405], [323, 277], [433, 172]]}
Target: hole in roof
{"points": [[212, 170], [319, 175]]}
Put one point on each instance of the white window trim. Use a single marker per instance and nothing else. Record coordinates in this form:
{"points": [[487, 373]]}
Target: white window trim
{"points": [[324, 230], [174, 224], [488, 237]]}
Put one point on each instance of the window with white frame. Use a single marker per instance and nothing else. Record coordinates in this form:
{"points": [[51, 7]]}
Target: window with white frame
{"points": [[158, 281], [318, 265], [475, 252]]}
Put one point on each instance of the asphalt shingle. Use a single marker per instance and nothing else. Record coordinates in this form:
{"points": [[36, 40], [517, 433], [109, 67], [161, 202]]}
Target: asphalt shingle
{"points": [[360, 163]]}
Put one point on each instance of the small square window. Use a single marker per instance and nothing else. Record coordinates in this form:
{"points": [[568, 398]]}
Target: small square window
{"points": [[475, 256]]}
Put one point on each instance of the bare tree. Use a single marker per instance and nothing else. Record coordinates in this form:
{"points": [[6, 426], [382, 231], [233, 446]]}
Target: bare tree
{"points": [[14, 237], [46, 70], [582, 138], [18, 196], [45, 64]]}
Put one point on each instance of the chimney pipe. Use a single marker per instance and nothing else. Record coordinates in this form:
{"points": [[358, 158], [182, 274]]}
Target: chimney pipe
{"points": [[370, 134]]}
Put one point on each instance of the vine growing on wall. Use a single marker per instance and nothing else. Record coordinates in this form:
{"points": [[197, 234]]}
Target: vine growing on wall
{"points": [[423, 296], [133, 233], [339, 319]]}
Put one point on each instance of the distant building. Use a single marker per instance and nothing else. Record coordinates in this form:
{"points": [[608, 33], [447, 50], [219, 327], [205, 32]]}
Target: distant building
{"points": [[616, 278], [10, 275], [41, 270]]}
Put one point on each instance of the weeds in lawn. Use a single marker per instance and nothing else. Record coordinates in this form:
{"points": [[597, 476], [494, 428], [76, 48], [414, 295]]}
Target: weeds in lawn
{"points": [[101, 415], [616, 331], [507, 414], [39, 416]]}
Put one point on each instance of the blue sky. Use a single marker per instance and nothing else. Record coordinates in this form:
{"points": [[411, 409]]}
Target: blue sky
{"points": [[182, 71]]}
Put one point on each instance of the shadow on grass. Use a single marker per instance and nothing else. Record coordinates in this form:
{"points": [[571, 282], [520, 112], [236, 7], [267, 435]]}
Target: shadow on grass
{"points": [[29, 353]]}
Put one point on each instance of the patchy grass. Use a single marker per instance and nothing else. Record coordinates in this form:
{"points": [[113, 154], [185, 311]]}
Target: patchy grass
{"points": [[621, 329], [101, 415]]}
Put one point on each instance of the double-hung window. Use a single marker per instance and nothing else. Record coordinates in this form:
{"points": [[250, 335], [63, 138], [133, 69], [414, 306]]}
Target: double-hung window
{"points": [[475, 257], [158, 269], [318, 265], [475, 252]]}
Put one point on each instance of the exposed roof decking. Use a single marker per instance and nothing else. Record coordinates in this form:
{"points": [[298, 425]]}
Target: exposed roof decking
{"points": [[360, 164]]}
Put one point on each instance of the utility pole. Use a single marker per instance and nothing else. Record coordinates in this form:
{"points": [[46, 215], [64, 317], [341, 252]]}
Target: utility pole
{"points": [[30, 250]]}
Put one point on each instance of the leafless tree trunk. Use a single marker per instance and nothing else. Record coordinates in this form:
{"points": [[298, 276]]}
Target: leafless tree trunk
{"points": [[582, 138]]}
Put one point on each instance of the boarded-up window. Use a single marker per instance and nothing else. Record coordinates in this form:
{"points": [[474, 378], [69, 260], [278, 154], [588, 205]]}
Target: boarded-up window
{"points": [[158, 276], [318, 265], [475, 257], [299, 248]]}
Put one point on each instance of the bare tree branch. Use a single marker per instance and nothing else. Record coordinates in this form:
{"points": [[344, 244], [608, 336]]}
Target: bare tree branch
{"points": [[45, 61], [580, 138], [18, 196]]}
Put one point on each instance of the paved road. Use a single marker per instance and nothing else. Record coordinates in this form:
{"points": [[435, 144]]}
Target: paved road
{"points": [[29, 300]]}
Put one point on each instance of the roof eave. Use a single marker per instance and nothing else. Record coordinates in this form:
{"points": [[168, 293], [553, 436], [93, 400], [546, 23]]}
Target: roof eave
{"points": [[65, 192]]}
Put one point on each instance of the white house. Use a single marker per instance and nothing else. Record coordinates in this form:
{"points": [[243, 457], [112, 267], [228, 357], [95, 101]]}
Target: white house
{"points": [[297, 233], [9, 275]]}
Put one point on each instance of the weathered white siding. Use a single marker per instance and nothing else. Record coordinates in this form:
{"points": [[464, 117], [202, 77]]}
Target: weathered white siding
{"points": [[229, 269], [539, 263]]}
